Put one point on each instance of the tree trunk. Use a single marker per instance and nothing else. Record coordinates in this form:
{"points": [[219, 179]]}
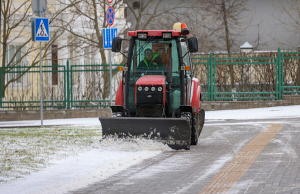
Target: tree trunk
{"points": [[228, 43], [2, 79], [297, 82], [2, 73]]}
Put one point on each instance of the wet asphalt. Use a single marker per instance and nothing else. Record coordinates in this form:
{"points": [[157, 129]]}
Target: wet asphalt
{"points": [[275, 170]]}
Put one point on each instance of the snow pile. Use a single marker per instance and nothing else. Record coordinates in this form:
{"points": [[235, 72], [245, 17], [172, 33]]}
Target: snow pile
{"points": [[132, 145]]}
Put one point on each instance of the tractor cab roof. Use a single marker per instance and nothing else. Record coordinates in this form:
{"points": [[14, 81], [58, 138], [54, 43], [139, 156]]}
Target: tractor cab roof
{"points": [[156, 32]]}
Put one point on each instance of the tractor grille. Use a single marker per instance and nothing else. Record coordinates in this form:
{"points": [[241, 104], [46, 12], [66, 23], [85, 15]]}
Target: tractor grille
{"points": [[149, 97], [149, 103]]}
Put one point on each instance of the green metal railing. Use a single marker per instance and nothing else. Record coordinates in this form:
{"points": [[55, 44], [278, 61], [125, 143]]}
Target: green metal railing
{"points": [[22, 88], [241, 77], [89, 85], [70, 86], [255, 76], [289, 72]]}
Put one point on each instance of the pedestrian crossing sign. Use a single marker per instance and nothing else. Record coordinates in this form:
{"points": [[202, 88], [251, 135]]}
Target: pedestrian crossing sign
{"points": [[41, 30]]}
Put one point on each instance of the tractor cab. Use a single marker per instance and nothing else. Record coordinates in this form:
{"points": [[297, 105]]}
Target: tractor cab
{"points": [[158, 72]]}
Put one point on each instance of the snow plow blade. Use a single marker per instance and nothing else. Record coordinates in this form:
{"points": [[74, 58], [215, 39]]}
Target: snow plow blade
{"points": [[175, 132]]}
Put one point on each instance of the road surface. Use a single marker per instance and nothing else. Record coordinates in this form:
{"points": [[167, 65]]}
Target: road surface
{"points": [[233, 156]]}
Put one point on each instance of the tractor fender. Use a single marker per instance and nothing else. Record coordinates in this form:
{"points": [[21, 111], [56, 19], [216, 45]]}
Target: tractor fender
{"points": [[119, 95], [195, 95]]}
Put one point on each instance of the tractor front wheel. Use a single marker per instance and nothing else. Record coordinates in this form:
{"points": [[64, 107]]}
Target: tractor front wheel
{"points": [[197, 125], [201, 119], [194, 134]]}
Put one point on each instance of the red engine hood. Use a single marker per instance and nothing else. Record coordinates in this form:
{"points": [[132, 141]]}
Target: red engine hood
{"points": [[151, 80]]}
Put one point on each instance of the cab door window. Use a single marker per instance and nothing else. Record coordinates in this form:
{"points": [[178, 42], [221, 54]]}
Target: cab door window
{"points": [[186, 58]]}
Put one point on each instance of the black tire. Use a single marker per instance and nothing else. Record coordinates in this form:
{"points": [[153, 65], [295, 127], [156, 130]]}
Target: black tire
{"points": [[201, 120], [197, 125], [194, 134]]}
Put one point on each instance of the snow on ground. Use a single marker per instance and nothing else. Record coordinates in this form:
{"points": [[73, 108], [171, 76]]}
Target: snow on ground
{"points": [[105, 159], [52, 122], [72, 158], [98, 161], [239, 114], [255, 113]]}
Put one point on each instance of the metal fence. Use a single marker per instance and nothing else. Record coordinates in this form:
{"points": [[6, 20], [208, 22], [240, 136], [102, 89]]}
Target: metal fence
{"points": [[64, 86], [89, 85], [241, 77], [244, 77]]}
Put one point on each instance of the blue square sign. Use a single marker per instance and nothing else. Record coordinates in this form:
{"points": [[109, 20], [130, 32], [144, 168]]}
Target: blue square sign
{"points": [[41, 29], [108, 35]]}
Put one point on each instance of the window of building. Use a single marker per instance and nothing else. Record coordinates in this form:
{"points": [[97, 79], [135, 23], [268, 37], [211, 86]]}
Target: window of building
{"points": [[13, 59], [136, 5], [125, 12]]}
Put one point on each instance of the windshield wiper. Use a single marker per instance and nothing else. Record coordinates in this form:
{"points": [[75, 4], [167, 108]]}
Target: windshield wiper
{"points": [[143, 46]]}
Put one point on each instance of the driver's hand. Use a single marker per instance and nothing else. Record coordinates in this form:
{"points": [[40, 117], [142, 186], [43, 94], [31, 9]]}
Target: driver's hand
{"points": [[154, 63]]}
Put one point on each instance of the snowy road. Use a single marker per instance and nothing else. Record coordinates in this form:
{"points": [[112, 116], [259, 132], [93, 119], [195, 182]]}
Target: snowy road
{"points": [[240, 151], [193, 171]]}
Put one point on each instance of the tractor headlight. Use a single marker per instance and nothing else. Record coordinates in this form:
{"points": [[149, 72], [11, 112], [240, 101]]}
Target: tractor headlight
{"points": [[140, 88], [146, 89], [152, 89], [167, 35], [142, 35], [159, 89]]}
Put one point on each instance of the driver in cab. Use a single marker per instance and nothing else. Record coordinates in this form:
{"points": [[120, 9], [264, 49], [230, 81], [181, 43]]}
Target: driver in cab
{"points": [[152, 61]]}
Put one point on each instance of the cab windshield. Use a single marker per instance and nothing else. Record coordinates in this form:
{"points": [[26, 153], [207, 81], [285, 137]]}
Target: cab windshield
{"points": [[152, 58]]}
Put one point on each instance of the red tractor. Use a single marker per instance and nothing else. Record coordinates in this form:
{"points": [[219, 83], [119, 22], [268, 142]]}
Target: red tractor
{"points": [[158, 97]]}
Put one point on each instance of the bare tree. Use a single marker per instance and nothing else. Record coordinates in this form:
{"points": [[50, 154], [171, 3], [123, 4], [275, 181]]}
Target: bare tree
{"points": [[16, 26], [288, 14], [227, 16], [91, 18], [157, 14]]}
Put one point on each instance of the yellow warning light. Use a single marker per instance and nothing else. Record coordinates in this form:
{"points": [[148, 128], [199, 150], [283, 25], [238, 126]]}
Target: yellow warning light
{"points": [[187, 68], [177, 26], [120, 68]]}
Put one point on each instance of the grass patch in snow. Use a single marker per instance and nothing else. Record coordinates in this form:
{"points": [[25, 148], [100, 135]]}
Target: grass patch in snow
{"points": [[24, 150]]}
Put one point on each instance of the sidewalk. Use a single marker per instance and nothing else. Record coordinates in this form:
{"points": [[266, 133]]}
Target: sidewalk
{"points": [[51, 122], [237, 114]]}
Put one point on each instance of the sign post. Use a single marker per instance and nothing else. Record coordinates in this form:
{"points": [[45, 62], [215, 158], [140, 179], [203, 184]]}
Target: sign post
{"points": [[40, 32], [110, 17], [108, 35]]}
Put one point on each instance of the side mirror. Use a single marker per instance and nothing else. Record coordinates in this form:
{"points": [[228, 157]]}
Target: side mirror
{"points": [[116, 45], [193, 44]]}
